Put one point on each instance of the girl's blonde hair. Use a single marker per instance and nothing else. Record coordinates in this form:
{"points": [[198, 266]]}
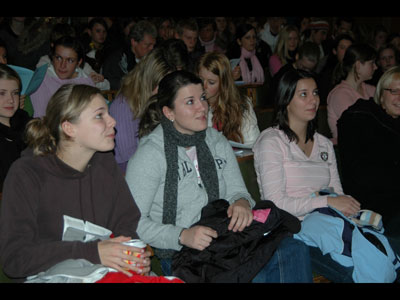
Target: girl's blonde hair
{"points": [[231, 104], [67, 103], [281, 49], [138, 85]]}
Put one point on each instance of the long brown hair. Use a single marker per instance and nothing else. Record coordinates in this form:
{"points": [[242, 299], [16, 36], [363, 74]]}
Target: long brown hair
{"points": [[231, 104]]}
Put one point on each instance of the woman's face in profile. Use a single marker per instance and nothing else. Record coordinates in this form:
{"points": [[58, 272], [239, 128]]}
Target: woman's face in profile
{"points": [[210, 83]]}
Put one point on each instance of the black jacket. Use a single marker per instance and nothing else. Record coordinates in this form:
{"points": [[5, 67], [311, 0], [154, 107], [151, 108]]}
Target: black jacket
{"points": [[369, 148], [11, 142], [117, 65], [234, 257]]}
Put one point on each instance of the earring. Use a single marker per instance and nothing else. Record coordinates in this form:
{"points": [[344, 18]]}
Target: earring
{"points": [[172, 120]]}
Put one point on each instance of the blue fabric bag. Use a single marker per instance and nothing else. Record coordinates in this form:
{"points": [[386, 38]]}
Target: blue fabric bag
{"points": [[361, 247]]}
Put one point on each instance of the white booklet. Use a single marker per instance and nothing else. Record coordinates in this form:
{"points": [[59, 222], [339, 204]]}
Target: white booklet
{"points": [[241, 146], [79, 230]]}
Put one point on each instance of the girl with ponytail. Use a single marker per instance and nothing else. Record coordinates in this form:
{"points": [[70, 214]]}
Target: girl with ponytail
{"points": [[68, 173], [358, 66]]}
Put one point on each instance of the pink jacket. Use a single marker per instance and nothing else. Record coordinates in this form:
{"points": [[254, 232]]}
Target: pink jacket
{"points": [[340, 98], [286, 176]]}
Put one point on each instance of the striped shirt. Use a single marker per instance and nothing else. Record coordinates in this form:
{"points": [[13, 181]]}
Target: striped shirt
{"points": [[288, 177]]}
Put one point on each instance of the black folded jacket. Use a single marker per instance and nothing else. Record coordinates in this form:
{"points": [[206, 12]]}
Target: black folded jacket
{"points": [[234, 256]]}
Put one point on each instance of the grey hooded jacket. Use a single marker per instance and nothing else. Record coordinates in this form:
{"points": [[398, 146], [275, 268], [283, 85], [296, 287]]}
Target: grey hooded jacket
{"points": [[146, 177]]}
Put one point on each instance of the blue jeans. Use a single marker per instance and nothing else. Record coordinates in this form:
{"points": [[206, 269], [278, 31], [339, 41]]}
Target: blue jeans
{"points": [[289, 263], [324, 265]]}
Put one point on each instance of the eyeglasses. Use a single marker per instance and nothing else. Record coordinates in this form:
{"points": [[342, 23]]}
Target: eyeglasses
{"points": [[393, 92]]}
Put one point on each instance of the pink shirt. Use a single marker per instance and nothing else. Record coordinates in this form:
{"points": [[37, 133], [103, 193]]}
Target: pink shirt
{"points": [[274, 64], [286, 176], [51, 83], [340, 98]]}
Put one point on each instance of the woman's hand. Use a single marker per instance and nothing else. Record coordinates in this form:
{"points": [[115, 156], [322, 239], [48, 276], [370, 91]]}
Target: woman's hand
{"points": [[240, 214], [22, 101], [346, 204], [236, 73], [96, 77], [113, 254], [198, 237]]}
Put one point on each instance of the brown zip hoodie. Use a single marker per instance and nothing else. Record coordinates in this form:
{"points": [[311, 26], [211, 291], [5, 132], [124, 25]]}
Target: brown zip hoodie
{"points": [[39, 190]]}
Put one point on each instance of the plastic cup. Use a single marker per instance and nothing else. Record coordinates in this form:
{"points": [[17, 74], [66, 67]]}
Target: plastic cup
{"points": [[135, 243]]}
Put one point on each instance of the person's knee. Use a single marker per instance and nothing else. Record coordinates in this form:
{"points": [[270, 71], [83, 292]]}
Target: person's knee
{"points": [[294, 245]]}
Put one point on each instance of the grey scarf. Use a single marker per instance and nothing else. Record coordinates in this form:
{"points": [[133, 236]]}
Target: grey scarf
{"points": [[207, 169]]}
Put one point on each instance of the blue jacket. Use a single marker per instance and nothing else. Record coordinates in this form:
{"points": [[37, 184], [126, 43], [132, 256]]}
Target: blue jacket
{"points": [[333, 233]]}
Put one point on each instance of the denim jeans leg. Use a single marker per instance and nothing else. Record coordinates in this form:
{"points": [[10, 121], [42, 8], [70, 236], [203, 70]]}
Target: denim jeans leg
{"points": [[166, 267], [289, 264], [324, 265]]}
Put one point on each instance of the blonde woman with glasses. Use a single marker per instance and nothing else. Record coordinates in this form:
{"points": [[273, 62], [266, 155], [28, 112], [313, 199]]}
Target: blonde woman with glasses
{"points": [[369, 147]]}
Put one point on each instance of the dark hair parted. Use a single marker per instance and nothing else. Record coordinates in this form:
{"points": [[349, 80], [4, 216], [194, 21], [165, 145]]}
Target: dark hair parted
{"points": [[167, 91], [69, 42], [175, 53], [285, 93], [242, 29], [354, 53], [95, 21]]}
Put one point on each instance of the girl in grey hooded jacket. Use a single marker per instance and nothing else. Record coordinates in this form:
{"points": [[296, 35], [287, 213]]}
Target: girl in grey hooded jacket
{"points": [[179, 167]]}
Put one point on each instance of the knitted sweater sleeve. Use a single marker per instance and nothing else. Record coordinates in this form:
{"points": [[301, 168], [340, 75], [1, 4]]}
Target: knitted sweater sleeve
{"points": [[126, 139], [250, 128]]}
